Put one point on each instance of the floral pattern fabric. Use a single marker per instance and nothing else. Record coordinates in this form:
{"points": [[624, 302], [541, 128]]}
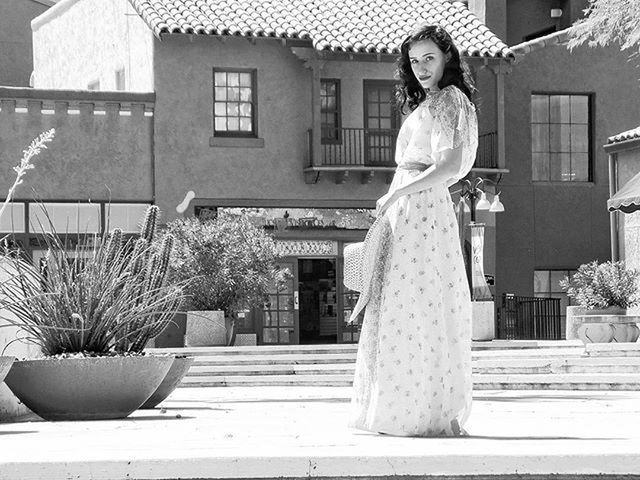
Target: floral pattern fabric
{"points": [[413, 369]]}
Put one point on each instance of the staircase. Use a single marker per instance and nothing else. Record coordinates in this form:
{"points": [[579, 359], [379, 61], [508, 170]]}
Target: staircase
{"points": [[500, 364]]}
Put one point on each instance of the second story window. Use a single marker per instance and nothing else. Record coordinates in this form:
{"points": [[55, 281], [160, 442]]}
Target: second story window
{"points": [[560, 138], [330, 110], [234, 97]]}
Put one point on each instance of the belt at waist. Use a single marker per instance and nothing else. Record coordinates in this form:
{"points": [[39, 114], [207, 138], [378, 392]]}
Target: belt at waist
{"points": [[413, 166]]}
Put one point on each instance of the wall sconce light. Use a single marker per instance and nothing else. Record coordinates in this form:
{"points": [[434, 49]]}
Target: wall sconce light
{"points": [[556, 12]]}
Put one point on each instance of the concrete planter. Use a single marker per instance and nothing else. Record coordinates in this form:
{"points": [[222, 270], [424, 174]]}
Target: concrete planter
{"points": [[89, 388], [206, 328], [483, 321], [174, 376], [607, 325], [5, 365]]}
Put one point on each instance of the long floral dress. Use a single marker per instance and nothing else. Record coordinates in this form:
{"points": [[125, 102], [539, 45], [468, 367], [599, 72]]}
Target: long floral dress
{"points": [[413, 368]]}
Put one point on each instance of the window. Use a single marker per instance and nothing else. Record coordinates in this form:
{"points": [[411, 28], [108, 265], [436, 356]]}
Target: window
{"points": [[64, 217], [234, 97], [560, 138], [120, 80], [125, 216], [546, 283], [94, 85], [330, 110]]}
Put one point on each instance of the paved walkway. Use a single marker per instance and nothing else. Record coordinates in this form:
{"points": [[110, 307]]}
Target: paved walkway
{"points": [[270, 432]]}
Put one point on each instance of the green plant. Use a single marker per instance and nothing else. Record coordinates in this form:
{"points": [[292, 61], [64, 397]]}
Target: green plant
{"points": [[108, 296], [602, 285], [226, 263]]}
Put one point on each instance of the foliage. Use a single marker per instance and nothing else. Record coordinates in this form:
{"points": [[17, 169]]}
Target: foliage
{"points": [[602, 285], [607, 22], [106, 296], [227, 262]]}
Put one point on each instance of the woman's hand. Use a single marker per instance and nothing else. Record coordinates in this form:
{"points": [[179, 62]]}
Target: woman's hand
{"points": [[385, 202]]}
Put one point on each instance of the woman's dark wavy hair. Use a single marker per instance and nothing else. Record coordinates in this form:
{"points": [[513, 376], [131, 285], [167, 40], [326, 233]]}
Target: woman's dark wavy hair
{"points": [[456, 72]]}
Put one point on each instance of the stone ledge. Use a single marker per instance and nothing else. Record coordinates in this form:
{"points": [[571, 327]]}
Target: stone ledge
{"points": [[241, 142]]}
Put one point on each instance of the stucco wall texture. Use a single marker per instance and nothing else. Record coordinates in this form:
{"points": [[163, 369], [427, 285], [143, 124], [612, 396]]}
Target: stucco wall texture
{"points": [[16, 59], [104, 36], [559, 225]]}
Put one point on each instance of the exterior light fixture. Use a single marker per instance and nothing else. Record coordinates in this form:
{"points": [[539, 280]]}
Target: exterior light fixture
{"points": [[556, 12], [483, 203], [496, 205]]}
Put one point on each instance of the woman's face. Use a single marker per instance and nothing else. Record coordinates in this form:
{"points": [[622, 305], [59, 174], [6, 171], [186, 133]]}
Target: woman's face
{"points": [[427, 63]]}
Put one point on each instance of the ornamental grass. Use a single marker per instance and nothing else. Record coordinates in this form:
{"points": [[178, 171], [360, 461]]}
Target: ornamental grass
{"points": [[107, 296]]}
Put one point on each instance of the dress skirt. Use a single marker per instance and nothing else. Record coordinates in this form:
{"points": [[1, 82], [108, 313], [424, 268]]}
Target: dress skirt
{"points": [[413, 368]]}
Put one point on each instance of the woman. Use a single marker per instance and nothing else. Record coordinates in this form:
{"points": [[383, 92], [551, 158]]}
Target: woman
{"points": [[413, 370]]}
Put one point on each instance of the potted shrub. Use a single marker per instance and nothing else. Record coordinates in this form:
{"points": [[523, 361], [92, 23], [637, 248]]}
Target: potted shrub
{"points": [[91, 311], [603, 292], [227, 265]]}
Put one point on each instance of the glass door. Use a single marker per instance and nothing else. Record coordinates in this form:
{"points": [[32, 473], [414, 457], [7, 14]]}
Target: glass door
{"points": [[381, 122], [280, 313]]}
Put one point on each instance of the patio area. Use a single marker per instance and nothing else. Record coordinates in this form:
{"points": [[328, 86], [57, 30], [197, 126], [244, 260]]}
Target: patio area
{"points": [[301, 432]]}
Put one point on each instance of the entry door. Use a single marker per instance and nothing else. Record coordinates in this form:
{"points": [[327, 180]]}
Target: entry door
{"points": [[280, 313], [381, 122]]}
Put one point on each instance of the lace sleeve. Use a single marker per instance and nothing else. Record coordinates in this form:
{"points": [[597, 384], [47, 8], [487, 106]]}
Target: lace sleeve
{"points": [[455, 125]]}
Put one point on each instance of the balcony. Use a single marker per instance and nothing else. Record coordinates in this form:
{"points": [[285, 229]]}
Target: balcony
{"points": [[369, 152]]}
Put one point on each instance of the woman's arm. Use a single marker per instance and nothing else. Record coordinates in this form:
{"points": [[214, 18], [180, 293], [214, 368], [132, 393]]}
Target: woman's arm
{"points": [[441, 172]]}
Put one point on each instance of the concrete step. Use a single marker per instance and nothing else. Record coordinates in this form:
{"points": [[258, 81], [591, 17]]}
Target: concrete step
{"points": [[306, 369], [613, 349], [556, 365], [284, 359], [574, 381]]}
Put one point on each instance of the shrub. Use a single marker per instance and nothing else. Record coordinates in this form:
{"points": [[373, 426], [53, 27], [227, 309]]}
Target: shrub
{"points": [[227, 263], [602, 285], [106, 297]]}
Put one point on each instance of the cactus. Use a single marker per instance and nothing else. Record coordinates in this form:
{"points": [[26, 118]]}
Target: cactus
{"points": [[150, 224]]}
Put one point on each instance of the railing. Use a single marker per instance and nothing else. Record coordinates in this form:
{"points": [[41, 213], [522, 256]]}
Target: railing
{"points": [[529, 318], [367, 147]]}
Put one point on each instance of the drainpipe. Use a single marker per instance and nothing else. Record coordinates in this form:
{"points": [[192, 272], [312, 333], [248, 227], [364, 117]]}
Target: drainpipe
{"points": [[613, 216]]}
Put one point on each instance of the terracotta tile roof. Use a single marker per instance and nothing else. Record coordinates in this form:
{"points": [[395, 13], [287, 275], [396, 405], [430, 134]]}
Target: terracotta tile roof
{"points": [[359, 26], [628, 135], [555, 38]]}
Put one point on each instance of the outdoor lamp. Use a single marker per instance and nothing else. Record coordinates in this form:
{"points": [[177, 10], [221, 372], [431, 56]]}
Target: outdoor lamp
{"points": [[496, 205], [483, 203]]}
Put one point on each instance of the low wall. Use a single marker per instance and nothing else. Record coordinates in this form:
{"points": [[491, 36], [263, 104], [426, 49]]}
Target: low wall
{"points": [[103, 148]]}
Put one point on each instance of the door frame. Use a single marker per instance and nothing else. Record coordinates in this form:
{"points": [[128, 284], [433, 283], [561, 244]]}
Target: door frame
{"points": [[396, 119]]}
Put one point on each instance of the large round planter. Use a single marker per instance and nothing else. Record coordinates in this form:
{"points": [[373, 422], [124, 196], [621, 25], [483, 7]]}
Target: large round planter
{"points": [[206, 328], [174, 376], [5, 365], [87, 388]]}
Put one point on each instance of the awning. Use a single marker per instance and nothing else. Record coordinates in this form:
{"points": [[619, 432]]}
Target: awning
{"points": [[627, 199]]}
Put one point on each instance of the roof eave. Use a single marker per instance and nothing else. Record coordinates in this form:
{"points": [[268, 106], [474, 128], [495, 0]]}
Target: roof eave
{"points": [[615, 147]]}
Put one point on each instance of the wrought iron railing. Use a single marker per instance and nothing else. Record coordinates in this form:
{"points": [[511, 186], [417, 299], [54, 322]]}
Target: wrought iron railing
{"points": [[529, 318], [369, 147]]}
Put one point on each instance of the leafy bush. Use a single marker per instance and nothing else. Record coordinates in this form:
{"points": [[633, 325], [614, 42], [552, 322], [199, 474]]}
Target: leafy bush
{"points": [[226, 263], [602, 285], [108, 296]]}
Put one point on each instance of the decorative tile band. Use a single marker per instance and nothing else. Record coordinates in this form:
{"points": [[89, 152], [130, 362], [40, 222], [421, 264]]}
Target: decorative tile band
{"points": [[306, 248]]}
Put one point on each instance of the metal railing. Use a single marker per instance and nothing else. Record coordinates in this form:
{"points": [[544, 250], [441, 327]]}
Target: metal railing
{"points": [[369, 147], [529, 318]]}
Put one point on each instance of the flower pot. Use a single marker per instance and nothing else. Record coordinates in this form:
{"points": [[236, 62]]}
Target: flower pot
{"points": [[596, 332], [87, 388], [174, 376], [206, 328], [5, 365], [625, 332]]}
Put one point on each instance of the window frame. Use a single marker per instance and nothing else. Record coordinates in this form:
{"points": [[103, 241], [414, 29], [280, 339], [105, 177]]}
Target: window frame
{"points": [[254, 104], [590, 136], [337, 111]]}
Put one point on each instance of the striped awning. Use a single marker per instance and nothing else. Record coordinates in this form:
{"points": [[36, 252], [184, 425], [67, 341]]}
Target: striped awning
{"points": [[627, 199]]}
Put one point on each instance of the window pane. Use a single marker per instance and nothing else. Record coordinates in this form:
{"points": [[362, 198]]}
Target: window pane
{"points": [[540, 281], [245, 124], [331, 103], [220, 94], [284, 336], [245, 80], [233, 94], [286, 319], [541, 166], [579, 109], [373, 123], [220, 79], [233, 109], [385, 109], [221, 124], [245, 94], [385, 123], [540, 138], [555, 167], [373, 95], [579, 138], [580, 167], [126, 216], [556, 276], [233, 79], [13, 218], [65, 217], [559, 107], [270, 335], [233, 123], [220, 109], [560, 138], [245, 109], [565, 167], [374, 111], [539, 108]]}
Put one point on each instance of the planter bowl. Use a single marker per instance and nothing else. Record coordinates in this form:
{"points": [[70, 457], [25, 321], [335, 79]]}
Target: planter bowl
{"points": [[174, 376], [5, 365], [87, 388]]}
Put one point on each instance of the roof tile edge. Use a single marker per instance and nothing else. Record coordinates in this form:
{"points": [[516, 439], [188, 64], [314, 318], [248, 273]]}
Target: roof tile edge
{"points": [[55, 11]]}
